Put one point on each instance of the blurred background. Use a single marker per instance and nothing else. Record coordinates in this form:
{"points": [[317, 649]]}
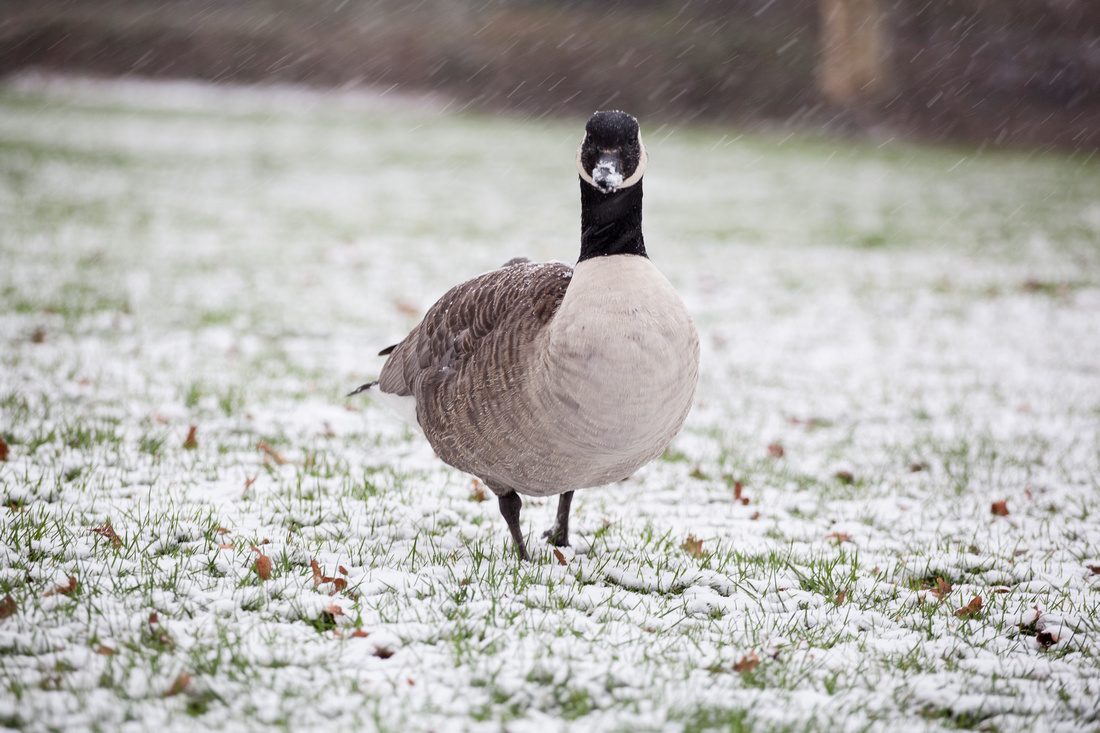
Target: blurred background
{"points": [[997, 73]]}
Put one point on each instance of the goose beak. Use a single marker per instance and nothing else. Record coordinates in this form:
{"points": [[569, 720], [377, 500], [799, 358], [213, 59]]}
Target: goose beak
{"points": [[608, 173]]}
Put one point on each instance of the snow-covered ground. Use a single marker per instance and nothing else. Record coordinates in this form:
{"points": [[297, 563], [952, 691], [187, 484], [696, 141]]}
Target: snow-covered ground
{"points": [[895, 340]]}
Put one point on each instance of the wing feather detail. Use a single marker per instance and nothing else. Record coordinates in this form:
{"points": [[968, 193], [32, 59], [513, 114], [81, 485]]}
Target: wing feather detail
{"points": [[482, 325]]}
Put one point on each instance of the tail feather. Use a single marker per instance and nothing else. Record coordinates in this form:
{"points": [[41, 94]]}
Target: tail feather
{"points": [[363, 388]]}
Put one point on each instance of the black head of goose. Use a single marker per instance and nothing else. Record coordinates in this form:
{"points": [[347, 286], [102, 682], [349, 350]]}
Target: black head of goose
{"points": [[541, 379]]}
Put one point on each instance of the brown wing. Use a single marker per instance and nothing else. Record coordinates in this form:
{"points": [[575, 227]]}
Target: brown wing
{"points": [[476, 329]]}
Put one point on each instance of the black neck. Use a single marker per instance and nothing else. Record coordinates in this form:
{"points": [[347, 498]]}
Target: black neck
{"points": [[611, 223]]}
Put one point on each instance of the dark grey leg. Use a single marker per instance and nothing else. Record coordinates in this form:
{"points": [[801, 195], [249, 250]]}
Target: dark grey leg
{"points": [[510, 504], [558, 535]]}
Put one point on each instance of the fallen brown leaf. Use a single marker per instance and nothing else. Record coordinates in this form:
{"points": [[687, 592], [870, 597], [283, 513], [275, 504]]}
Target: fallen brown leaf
{"points": [[105, 650], [64, 590], [383, 652], [477, 492], [840, 598], [359, 633], [108, 532], [191, 442], [263, 567], [698, 473], [775, 450], [338, 584], [1046, 639], [840, 537], [738, 487], [341, 569], [1000, 508], [179, 685], [8, 606], [942, 589], [1093, 569], [845, 477], [225, 546], [560, 557], [3, 450], [972, 609], [265, 448], [334, 610], [693, 547], [755, 515], [406, 308], [747, 663]]}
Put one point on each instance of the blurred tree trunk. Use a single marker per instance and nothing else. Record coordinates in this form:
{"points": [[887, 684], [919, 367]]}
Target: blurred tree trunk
{"points": [[850, 61]]}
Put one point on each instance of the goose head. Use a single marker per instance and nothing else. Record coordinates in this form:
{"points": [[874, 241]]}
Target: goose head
{"points": [[611, 156]]}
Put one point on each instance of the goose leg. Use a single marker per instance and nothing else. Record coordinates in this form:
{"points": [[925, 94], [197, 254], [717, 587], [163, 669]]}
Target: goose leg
{"points": [[558, 535], [510, 504]]}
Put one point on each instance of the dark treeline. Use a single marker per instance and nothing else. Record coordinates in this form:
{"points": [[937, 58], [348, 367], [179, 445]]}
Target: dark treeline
{"points": [[998, 72]]}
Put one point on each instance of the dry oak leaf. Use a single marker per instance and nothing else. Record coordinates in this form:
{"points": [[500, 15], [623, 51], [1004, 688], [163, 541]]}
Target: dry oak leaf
{"points": [[265, 448], [1000, 508], [8, 606], [942, 589], [191, 442], [972, 609], [747, 663], [1046, 639], [179, 685], [64, 590], [693, 547], [108, 532], [262, 564]]}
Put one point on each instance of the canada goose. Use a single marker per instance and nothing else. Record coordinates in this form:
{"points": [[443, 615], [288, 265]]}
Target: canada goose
{"points": [[541, 379]]}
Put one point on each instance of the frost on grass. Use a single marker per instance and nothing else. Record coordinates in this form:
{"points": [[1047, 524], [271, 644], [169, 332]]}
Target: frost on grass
{"points": [[898, 417]]}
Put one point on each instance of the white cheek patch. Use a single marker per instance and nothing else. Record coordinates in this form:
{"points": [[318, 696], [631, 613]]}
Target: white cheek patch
{"points": [[634, 177]]}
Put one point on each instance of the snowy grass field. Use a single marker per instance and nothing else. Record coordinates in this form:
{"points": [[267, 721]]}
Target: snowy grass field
{"points": [[899, 414]]}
